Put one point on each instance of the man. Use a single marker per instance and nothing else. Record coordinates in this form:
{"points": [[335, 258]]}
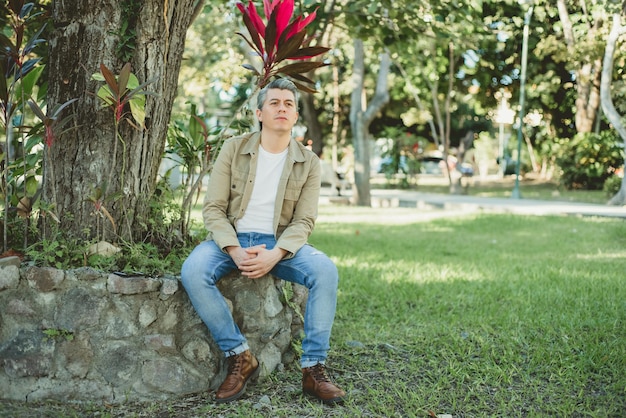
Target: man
{"points": [[259, 209]]}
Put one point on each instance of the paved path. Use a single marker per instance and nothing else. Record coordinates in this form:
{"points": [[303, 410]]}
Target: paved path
{"points": [[461, 203]]}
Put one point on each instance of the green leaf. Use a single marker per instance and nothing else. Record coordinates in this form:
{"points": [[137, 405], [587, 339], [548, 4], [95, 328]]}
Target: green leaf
{"points": [[105, 94], [31, 186], [138, 109], [37, 110], [25, 87]]}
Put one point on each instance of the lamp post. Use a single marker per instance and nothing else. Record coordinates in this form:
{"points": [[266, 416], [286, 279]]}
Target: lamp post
{"points": [[522, 95]]}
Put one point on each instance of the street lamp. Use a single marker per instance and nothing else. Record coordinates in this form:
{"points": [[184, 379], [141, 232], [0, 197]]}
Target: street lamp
{"points": [[516, 192]]}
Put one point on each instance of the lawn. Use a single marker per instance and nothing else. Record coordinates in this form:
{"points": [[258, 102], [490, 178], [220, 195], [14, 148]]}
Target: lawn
{"points": [[488, 315], [473, 316]]}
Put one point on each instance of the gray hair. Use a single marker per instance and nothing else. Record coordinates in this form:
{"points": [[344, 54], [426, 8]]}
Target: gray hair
{"points": [[279, 83]]}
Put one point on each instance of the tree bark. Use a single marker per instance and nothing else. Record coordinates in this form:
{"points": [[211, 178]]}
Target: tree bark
{"points": [[314, 128], [83, 159], [587, 74], [605, 93], [361, 116]]}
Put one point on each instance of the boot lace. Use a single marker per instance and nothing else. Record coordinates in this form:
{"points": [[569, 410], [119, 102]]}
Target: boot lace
{"points": [[234, 363], [318, 372]]}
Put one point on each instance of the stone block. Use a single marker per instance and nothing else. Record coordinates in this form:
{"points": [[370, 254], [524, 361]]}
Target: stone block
{"points": [[132, 285], [9, 276], [44, 279]]}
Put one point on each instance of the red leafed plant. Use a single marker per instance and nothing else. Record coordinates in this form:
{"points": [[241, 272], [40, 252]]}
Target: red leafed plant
{"points": [[282, 38]]}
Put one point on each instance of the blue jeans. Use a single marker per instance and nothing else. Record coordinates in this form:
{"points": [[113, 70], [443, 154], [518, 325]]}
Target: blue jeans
{"points": [[207, 264]]}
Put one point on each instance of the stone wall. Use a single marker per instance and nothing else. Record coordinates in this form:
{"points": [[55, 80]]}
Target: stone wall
{"points": [[86, 335]]}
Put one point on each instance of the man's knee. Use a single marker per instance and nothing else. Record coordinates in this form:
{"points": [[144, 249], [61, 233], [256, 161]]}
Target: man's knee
{"points": [[194, 268], [326, 273]]}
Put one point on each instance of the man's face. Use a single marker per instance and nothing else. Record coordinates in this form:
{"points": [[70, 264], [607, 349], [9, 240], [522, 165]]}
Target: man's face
{"points": [[279, 112]]}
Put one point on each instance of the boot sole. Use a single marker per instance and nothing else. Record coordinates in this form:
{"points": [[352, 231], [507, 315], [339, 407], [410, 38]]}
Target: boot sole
{"points": [[333, 401], [239, 394]]}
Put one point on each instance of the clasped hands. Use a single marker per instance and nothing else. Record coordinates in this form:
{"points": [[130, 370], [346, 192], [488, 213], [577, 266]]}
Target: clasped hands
{"points": [[255, 262]]}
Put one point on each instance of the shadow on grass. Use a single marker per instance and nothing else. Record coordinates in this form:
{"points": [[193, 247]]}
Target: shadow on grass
{"points": [[482, 315]]}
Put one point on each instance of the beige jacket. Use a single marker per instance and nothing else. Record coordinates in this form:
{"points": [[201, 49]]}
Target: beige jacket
{"points": [[230, 188]]}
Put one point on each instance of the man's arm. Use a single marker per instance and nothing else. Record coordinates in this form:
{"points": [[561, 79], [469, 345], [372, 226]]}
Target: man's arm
{"points": [[217, 199], [301, 224]]}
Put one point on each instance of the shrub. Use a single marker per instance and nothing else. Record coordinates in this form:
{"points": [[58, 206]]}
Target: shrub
{"points": [[588, 160], [612, 185]]}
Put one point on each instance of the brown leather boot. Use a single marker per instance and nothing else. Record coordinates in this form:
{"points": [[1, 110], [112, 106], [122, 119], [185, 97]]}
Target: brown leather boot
{"points": [[315, 382], [241, 367]]}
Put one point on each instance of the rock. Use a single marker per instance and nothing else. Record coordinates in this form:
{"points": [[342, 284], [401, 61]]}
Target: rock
{"points": [[103, 248]]}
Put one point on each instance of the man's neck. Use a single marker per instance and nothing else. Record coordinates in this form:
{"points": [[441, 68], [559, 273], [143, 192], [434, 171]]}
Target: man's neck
{"points": [[275, 142]]}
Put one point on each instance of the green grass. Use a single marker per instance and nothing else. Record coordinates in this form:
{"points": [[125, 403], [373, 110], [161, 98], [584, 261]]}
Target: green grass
{"points": [[485, 315], [489, 315]]}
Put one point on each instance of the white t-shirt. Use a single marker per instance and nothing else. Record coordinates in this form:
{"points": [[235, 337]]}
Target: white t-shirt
{"points": [[259, 215]]}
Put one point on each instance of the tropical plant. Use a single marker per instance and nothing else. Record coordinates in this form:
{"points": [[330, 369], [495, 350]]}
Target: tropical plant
{"points": [[127, 99], [282, 38], [51, 124], [191, 146], [19, 74]]}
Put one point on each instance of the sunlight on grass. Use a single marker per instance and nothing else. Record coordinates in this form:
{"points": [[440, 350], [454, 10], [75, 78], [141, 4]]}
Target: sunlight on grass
{"points": [[497, 314], [620, 255]]}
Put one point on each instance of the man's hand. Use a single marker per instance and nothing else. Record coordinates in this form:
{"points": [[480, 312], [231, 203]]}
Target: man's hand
{"points": [[239, 254], [260, 261]]}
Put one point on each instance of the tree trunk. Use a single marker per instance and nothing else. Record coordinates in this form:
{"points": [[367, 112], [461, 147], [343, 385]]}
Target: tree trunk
{"points": [[361, 116], [605, 93], [587, 74], [83, 159], [314, 128]]}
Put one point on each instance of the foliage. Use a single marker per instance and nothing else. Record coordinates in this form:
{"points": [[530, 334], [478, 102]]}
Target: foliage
{"points": [[22, 161], [126, 99], [588, 159], [57, 251], [162, 250], [58, 334], [127, 32], [612, 185], [283, 39], [401, 157], [122, 93], [143, 259], [191, 147]]}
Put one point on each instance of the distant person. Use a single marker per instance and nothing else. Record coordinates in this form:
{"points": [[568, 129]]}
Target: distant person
{"points": [[260, 208]]}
